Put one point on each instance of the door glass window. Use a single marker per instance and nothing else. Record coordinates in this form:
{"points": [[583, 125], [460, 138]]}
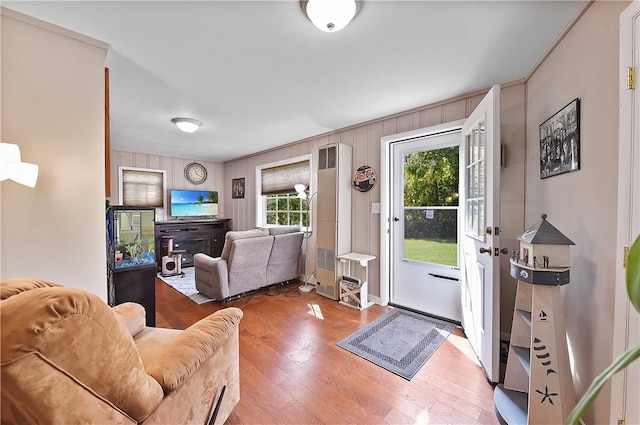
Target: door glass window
{"points": [[430, 196], [476, 165]]}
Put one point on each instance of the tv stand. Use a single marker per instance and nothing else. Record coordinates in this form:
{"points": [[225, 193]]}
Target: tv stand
{"points": [[192, 236]]}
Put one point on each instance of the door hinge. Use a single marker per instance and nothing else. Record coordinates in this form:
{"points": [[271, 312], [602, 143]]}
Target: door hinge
{"points": [[624, 257], [631, 78], [621, 422]]}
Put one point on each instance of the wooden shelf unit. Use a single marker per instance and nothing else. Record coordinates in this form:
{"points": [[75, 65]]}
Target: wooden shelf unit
{"points": [[192, 236], [538, 386]]}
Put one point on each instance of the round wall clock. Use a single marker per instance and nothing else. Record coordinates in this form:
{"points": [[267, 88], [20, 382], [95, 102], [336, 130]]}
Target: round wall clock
{"points": [[195, 173], [364, 178]]}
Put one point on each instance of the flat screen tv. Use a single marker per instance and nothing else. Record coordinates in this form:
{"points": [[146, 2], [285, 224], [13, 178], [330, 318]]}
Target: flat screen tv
{"points": [[194, 203]]}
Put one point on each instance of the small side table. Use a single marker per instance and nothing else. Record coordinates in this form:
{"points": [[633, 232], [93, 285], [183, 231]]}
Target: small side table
{"points": [[355, 294]]}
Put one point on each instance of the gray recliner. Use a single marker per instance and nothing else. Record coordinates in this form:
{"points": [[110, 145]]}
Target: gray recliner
{"points": [[251, 259]]}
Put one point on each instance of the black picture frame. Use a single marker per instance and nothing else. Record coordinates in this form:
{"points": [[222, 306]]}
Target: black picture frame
{"points": [[237, 188], [560, 141]]}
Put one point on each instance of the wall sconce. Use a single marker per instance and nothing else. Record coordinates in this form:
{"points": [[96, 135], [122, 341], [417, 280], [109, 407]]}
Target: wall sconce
{"points": [[188, 125], [11, 166], [330, 15]]}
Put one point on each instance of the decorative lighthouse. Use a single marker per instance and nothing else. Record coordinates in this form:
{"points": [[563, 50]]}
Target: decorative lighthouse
{"points": [[544, 255], [538, 387]]}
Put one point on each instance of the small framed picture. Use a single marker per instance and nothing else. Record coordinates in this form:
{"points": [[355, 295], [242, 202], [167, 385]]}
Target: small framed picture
{"points": [[560, 141], [237, 188]]}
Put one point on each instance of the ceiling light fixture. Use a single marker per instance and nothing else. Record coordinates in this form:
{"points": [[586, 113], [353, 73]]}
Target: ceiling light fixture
{"points": [[330, 15], [188, 125], [12, 167]]}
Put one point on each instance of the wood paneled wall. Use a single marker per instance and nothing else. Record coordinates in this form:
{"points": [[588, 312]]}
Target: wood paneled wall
{"points": [[365, 140], [174, 168]]}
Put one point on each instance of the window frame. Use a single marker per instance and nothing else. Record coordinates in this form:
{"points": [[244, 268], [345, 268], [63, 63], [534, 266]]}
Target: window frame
{"points": [[261, 206], [152, 173]]}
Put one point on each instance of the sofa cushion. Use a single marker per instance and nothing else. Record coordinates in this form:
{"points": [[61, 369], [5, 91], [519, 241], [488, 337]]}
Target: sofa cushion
{"points": [[15, 286], [240, 234], [281, 230], [285, 255], [132, 315]]}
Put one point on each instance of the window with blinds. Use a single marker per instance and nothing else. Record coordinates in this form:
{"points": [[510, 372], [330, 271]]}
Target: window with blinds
{"points": [[282, 178], [279, 204], [141, 187]]}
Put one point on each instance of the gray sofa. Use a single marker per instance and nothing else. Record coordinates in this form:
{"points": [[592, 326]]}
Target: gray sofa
{"points": [[251, 259]]}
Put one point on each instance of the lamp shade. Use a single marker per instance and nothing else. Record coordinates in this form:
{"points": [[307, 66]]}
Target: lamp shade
{"points": [[187, 125], [11, 166], [301, 190], [331, 15]]}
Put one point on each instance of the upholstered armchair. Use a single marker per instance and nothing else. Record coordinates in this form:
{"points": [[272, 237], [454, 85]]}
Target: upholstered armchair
{"points": [[250, 260], [67, 357]]}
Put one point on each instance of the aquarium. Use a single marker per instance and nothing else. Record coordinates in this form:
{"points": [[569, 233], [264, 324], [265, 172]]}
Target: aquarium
{"points": [[130, 233]]}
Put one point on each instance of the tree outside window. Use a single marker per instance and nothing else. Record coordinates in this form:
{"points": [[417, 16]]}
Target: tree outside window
{"points": [[431, 185], [286, 210]]}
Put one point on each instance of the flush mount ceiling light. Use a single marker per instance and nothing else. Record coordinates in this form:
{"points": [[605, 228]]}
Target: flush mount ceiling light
{"points": [[188, 125], [330, 15]]}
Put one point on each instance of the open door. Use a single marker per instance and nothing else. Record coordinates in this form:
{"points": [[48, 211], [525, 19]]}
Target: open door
{"points": [[425, 185], [480, 231], [625, 385]]}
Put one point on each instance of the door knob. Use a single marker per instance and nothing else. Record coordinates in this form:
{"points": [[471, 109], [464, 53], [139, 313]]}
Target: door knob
{"points": [[504, 251], [396, 219], [484, 250]]}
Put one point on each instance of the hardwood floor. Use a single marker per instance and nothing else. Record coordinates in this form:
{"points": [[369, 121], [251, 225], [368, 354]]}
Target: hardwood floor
{"points": [[292, 371]]}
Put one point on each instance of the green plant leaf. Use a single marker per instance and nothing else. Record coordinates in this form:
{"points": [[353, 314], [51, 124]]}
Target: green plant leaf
{"points": [[633, 274], [587, 399]]}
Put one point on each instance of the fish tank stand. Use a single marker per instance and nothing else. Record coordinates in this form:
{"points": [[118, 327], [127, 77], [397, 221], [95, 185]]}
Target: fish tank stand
{"points": [[131, 259], [138, 285]]}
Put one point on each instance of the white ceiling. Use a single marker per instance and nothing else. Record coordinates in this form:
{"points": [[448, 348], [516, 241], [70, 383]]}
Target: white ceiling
{"points": [[258, 74]]}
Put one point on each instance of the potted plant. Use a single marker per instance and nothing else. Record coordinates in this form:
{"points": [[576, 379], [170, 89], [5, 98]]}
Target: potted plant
{"points": [[628, 357]]}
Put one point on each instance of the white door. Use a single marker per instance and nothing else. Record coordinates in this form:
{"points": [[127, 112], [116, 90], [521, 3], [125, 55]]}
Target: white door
{"points": [[625, 385], [425, 188], [479, 230]]}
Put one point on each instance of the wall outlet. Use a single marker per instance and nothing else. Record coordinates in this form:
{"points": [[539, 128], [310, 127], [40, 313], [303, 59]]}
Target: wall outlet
{"points": [[375, 208]]}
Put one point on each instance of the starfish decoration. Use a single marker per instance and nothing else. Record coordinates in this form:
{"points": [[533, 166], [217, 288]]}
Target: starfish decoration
{"points": [[546, 395]]}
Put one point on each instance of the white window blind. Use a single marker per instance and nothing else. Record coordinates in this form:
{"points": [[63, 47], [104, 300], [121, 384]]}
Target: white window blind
{"points": [[142, 188], [281, 179]]}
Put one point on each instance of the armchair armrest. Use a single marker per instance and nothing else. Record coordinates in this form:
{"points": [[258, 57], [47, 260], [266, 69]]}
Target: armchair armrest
{"points": [[132, 315], [192, 347], [212, 276]]}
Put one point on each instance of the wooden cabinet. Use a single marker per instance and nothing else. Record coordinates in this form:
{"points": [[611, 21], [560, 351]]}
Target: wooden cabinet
{"points": [[137, 284], [192, 237]]}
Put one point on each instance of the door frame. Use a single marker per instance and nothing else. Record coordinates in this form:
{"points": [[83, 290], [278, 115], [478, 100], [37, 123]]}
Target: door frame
{"points": [[386, 205], [419, 285], [626, 328]]}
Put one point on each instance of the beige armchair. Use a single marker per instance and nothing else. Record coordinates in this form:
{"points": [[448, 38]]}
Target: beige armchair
{"points": [[67, 357]]}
